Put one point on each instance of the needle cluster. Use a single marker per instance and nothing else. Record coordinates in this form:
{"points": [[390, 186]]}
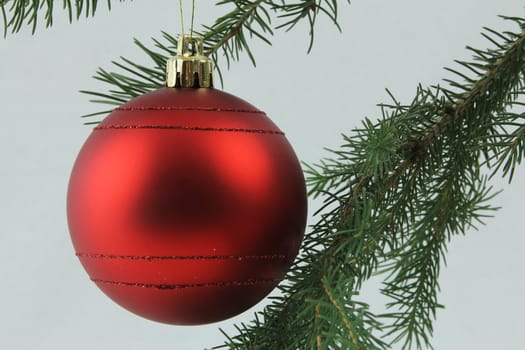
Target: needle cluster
{"points": [[227, 38], [255, 19], [18, 13]]}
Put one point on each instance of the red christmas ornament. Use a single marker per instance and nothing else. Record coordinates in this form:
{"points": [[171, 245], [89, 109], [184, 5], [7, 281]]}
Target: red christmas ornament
{"points": [[186, 205]]}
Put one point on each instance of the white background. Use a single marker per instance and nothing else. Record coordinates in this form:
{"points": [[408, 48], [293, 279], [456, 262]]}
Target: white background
{"points": [[46, 299]]}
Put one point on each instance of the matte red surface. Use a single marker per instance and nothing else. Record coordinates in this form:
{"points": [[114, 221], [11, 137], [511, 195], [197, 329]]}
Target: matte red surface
{"points": [[186, 206]]}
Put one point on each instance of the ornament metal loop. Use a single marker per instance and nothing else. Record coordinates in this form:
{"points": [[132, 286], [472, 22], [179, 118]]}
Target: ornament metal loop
{"points": [[190, 68]]}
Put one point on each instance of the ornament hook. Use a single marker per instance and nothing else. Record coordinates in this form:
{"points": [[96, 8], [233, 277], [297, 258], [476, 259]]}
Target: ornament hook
{"points": [[190, 68]]}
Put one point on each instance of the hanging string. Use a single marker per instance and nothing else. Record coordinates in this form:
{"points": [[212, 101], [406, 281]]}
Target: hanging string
{"points": [[192, 16], [181, 17]]}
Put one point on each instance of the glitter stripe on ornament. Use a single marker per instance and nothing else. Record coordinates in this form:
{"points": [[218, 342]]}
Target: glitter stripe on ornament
{"points": [[203, 109], [189, 128], [248, 282], [183, 257]]}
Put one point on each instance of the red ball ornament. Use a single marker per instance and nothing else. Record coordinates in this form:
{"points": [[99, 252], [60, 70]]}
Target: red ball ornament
{"points": [[186, 205]]}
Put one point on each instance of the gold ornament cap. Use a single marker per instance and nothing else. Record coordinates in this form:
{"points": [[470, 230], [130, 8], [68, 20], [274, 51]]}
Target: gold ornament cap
{"points": [[190, 68]]}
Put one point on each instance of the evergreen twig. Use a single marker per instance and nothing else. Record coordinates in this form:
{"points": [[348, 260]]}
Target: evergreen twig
{"points": [[400, 188], [17, 13], [229, 35]]}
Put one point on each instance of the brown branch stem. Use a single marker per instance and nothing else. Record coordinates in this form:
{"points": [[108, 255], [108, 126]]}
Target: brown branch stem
{"points": [[342, 312]]}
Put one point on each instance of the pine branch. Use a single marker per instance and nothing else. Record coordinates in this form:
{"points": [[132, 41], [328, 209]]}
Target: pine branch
{"points": [[230, 35], [136, 79], [400, 189], [228, 32], [253, 17], [17, 13], [472, 110]]}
